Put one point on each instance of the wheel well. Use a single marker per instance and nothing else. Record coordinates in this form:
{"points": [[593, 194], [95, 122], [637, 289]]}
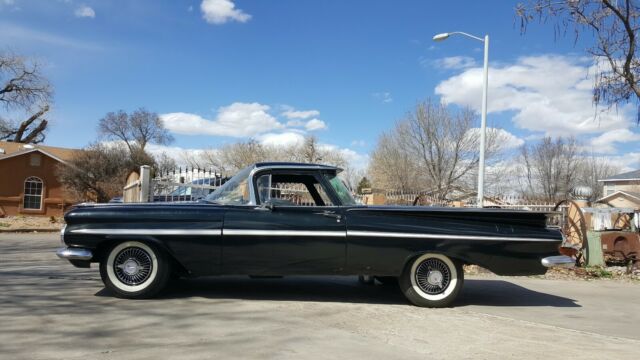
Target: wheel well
{"points": [[103, 248], [416, 255]]}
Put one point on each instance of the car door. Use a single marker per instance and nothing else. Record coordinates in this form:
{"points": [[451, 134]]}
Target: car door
{"points": [[296, 228]]}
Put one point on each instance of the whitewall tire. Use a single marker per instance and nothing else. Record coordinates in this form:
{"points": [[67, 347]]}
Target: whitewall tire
{"points": [[432, 280], [135, 270]]}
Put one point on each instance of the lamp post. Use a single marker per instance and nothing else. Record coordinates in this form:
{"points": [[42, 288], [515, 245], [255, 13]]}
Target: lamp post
{"points": [[483, 125]]}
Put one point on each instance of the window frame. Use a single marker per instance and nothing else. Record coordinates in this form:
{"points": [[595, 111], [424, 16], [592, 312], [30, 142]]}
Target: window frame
{"points": [[328, 189], [24, 193]]}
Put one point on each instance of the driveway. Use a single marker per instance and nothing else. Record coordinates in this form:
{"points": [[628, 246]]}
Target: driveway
{"points": [[50, 310]]}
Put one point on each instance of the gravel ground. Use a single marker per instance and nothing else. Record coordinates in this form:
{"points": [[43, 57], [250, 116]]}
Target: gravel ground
{"points": [[50, 310], [14, 223]]}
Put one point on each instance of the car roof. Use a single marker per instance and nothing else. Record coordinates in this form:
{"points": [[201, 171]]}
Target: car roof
{"points": [[295, 165]]}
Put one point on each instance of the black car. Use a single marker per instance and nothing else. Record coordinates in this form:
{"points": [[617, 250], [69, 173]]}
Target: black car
{"points": [[275, 219]]}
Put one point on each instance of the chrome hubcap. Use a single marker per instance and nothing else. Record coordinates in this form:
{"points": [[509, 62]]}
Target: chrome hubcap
{"points": [[132, 266], [433, 276]]}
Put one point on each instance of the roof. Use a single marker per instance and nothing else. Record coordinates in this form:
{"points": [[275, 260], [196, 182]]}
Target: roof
{"points": [[633, 194], [631, 175], [295, 165], [12, 149]]}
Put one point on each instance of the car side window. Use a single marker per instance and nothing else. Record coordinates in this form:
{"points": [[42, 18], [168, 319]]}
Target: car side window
{"points": [[292, 190]]}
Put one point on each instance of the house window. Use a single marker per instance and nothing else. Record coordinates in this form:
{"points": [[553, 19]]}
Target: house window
{"points": [[611, 189], [32, 193], [35, 160]]}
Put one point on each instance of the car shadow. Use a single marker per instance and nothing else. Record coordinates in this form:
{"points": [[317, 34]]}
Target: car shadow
{"points": [[346, 289], [497, 292]]}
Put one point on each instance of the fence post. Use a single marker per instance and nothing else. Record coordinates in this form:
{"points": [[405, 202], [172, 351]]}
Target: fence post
{"points": [[145, 183]]}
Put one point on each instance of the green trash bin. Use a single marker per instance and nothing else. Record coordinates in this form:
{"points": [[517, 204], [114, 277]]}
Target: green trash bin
{"points": [[594, 249]]}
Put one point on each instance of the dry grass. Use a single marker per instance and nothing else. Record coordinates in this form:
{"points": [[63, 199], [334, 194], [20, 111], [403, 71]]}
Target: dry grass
{"points": [[22, 223]]}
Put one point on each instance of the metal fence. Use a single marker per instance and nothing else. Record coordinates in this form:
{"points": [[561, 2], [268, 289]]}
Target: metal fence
{"points": [[178, 184], [186, 184]]}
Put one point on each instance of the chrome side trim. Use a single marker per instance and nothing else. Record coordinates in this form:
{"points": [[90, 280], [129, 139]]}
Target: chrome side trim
{"points": [[558, 261], [442, 236], [236, 232], [187, 232], [74, 254]]}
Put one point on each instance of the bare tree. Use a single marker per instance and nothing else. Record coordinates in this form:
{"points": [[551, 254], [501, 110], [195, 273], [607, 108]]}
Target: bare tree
{"points": [[99, 172], [435, 146], [233, 157], [393, 167], [135, 130], [592, 169], [23, 88], [614, 25], [550, 168]]}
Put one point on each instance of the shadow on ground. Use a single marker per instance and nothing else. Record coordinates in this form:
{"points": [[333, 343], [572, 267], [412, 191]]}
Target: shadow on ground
{"points": [[503, 293], [347, 290]]}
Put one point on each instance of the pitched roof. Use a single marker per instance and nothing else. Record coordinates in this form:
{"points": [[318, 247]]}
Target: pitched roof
{"points": [[633, 194], [631, 175], [11, 149]]}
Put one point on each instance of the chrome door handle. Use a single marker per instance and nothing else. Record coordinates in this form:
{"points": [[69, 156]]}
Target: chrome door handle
{"points": [[331, 214]]}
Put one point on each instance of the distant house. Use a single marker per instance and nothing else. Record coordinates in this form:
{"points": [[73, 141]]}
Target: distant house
{"points": [[28, 185], [622, 190]]}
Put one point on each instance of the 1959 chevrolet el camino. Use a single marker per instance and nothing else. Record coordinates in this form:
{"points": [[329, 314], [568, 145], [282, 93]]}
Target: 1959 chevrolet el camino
{"points": [[274, 219]]}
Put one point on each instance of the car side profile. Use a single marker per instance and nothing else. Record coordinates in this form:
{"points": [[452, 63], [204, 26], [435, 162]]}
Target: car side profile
{"points": [[278, 219]]}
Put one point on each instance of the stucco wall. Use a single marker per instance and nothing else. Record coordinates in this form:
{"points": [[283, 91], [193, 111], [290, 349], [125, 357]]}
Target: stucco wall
{"points": [[13, 173], [611, 187]]}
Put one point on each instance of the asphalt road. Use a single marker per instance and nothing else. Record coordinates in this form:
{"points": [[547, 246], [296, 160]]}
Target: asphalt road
{"points": [[50, 310]]}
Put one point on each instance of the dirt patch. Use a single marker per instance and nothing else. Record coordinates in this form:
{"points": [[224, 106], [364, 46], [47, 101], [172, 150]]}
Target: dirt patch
{"points": [[31, 223]]}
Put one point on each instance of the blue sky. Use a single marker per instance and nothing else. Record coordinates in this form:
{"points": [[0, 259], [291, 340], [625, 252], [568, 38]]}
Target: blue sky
{"points": [[221, 70]]}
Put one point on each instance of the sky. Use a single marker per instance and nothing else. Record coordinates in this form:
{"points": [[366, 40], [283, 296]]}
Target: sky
{"points": [[220, 71]]}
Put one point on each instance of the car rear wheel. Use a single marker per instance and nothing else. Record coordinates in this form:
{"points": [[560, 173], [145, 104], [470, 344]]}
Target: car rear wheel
{"points": [[432, 280], [135, 270]]}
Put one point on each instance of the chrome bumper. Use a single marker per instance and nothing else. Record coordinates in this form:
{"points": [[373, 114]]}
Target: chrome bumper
{"points": [[558, 261], [74, 253]]}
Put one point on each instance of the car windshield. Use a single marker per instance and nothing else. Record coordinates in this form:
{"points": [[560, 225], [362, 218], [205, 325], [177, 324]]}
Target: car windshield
{"points": [[235, 191], [341, 189]]}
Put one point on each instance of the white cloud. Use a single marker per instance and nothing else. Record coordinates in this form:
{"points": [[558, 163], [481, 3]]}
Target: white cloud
{"points": [[281, 139], [360, 143], [548, 93], [606, 143], [315, 124], [384, 97], [235, 120], [508, 140], [291, 113], [454, 62], [221, 11], [85, 11], [355, 159]]}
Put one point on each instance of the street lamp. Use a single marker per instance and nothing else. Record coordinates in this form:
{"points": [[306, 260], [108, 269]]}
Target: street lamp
{"points": [[483, 125]]}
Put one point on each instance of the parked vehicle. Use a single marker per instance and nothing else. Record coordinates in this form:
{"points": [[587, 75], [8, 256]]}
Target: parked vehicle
{"points": [[275, 219]]}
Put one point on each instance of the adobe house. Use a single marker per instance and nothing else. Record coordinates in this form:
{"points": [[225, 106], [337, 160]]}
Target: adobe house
{"points": [[28, 184]]}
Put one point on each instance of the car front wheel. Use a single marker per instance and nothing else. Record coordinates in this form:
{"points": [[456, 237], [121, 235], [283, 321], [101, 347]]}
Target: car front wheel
{"points": [[432, 280], [135, 270]]}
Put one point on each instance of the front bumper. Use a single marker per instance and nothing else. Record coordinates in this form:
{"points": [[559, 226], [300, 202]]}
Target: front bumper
{"points": [[74, 253], [558, 261]]}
